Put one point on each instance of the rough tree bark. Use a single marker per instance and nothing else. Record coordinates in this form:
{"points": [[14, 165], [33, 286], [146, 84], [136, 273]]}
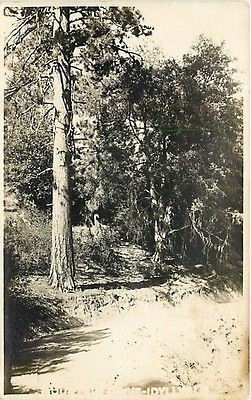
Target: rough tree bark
{"points": [[62, 260]]}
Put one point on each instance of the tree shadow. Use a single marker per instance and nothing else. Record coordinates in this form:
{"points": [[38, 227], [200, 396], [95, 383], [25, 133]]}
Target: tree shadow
{"points": [[124, 284], [178, 280], [22, 390], [48, 353], [201, 280]]}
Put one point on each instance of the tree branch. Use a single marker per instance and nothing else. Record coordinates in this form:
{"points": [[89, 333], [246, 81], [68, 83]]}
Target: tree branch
{"points": [[18, 29], [179, 229], [44, 171], [10, 92], [19, 40], [28, 109], [129, 52]]}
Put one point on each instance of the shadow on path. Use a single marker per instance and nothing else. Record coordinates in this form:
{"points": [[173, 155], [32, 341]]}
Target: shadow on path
{"points": [[124, 284], [48, 353]]}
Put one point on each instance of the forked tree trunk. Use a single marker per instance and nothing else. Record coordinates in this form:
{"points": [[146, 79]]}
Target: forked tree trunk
{"points": [[62, 261]]}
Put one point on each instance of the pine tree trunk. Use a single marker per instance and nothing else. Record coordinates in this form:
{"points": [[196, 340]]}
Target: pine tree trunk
{"points": [[62, 260]]}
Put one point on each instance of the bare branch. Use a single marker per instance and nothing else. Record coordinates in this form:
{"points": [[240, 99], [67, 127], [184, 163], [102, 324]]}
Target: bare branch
{"points": [[44, 171], [179, 229], [79, 69], [47, 112], [28, 109], [129, 52], [30, 55], [18, 29]]}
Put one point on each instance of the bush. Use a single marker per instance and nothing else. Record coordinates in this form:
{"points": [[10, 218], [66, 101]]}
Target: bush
{"points": [[98, 251], [27, 240]]}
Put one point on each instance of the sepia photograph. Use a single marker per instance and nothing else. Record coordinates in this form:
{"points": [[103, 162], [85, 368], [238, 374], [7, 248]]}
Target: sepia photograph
{"points": [[125, 205]]}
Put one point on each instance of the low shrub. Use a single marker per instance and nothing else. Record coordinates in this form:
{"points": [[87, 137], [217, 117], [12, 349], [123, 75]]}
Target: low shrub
{"points": [[98, 251]]}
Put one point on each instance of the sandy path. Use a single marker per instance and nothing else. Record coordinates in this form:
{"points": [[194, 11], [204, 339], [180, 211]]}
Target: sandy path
{"points": [[198, 345]]}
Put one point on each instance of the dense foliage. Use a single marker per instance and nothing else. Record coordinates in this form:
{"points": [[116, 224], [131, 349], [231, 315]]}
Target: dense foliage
{"points": [[95, 43], [158, 145], [171, 149]]}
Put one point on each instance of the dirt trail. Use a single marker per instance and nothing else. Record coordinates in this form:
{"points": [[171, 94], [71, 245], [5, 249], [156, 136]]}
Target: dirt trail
{"points": [[198, 345]]}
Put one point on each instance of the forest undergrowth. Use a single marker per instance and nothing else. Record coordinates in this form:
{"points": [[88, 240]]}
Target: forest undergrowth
{"points": [[131, 278]]}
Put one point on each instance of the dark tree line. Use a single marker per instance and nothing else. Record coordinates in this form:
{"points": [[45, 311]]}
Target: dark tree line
{"points": [[175, 138]]}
